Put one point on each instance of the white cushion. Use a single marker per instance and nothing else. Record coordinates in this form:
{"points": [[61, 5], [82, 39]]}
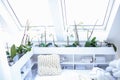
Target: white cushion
{"points": [[49, 65], [115, 70], [116, 74], [102, 74], [113, 63], [109, 68], [108, 76]]}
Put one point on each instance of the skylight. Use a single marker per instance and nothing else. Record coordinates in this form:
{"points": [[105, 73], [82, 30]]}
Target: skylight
{"points": [[36, 11], [87, 12], [59, 15]]}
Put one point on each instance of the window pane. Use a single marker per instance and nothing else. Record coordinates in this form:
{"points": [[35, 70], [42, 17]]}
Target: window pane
{"points": [[38, 33], [86, 11], [36, 11]]}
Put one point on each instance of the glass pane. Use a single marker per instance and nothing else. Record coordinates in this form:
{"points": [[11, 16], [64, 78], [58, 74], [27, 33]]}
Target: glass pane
{"points": [[86, 11], [36, 11], [38, 33]]}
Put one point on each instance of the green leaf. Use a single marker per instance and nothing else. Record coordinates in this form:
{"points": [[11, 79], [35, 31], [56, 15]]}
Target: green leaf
{"points": [[75, 44], [114, 47], [48, 44], [93, 39], [13, 51], [88, 44], [7, 53], [91, 43], [42, 45]]}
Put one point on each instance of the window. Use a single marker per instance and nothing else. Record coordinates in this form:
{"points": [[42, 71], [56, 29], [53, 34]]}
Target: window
{"points": [[87, 12], [36, 11], [38, 33]]}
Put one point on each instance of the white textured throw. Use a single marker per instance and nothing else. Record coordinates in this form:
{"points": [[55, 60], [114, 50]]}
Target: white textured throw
{"points": [[49, 65]]}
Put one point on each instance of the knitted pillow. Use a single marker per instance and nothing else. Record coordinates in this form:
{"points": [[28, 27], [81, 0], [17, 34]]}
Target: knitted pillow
{"points": [[49, 64]]}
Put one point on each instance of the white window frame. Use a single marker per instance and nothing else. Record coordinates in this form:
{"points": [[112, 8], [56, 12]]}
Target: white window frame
{"points": [[103, 26]]}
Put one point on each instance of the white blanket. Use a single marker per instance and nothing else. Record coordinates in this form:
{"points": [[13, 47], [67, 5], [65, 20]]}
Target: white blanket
{"points": [[96, 73], [102, 74], [66, 75]]}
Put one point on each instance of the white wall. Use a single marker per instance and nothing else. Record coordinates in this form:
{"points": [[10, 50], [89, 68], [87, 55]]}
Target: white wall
{"points": [[115, 32], [4, 67], [9, 26], [9, 33]]}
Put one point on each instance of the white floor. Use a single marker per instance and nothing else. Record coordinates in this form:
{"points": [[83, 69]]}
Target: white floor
{"points": [[67, 75]]}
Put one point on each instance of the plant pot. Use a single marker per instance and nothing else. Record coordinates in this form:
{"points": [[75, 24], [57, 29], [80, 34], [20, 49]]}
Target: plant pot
{"points": [[10, 61], [17, 57], [20, 55]]}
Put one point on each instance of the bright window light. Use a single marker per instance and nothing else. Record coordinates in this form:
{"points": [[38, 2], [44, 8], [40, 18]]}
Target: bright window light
{"points": [[38, 14], [38, 33], [86, 12], [36, 11]]}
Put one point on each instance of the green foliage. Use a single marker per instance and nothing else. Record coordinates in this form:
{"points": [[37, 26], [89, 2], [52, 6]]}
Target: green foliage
{"points": [[56, 45], [7, 53], [114, 47], [22, 49], [75, 44], [111, 45], [47, 45], [42, 45], [91, 43], [29, 43], [13, 51]]}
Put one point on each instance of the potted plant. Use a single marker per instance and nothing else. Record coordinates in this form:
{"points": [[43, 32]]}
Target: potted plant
{"points": [[109, 44], [76, 43], [90, 42], [16, 52], [44, 43]]}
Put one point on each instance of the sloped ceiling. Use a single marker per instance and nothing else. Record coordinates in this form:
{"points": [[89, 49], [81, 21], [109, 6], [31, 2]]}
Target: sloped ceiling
{"points": [[115, 32]]}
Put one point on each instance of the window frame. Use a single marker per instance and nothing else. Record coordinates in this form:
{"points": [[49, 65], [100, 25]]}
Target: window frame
{"points": [[103, 26]]}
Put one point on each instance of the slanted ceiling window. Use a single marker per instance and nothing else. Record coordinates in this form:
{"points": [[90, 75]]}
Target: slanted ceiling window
{"points": [[87, 12], [36, 11], [81, 12], [36, 14]]}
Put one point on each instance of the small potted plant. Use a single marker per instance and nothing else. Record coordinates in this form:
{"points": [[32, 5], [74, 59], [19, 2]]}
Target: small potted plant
{"points": [[91, 42], [109, 44]]}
